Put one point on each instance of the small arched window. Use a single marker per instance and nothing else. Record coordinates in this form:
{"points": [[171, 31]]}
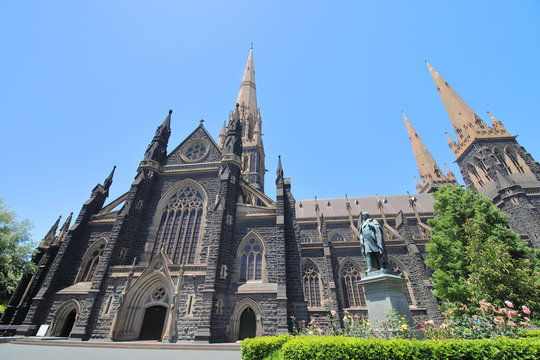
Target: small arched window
{"points": [[251, 254], [353, 294], [304, 238], [90, 260], [336, 237], [311, 284]]}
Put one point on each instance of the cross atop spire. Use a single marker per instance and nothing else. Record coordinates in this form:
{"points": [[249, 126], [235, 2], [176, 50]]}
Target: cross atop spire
{"points": [[431, 175], [468, 126]]}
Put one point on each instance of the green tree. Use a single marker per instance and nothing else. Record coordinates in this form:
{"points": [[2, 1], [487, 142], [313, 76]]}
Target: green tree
{"points": [[476, 256], [15, 251]]}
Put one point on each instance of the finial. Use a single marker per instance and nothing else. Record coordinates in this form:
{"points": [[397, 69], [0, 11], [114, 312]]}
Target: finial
{"points": [[237, 105], [251, 45], [170, 111], [201, 121], [346, 197]]}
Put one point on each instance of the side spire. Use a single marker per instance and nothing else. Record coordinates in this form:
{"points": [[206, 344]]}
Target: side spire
{"points": [[468, 126], [108, 181], [51, 235], [431, 175]]}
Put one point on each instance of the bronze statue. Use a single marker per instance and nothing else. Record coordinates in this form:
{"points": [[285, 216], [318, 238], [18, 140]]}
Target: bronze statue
{"points": [[372, 240]]}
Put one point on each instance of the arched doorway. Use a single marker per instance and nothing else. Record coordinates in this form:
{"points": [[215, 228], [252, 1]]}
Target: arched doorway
{"points": [[248, 324], [68, 324], [153, 322]]}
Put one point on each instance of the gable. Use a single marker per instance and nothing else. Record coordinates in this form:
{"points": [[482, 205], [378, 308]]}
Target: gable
{"points": [[198, 147]]}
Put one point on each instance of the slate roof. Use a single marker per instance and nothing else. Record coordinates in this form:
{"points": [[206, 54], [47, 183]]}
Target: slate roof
{"points": [[336, 208]]}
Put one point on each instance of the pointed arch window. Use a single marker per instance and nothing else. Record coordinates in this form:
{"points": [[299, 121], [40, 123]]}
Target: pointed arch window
{"points": [[311, 284], [499, 154], [353, 294], [180, 226], [475, 176], [337, 237], [517, 161], [90, 260], [304, 238], [407, 289], [251, 255], [480, 165]]}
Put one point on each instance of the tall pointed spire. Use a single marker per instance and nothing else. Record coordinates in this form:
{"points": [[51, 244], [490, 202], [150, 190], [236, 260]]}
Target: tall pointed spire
{"points": [[247, 96], [279, 170], [253, 168], [430, 173], [468, 126]]}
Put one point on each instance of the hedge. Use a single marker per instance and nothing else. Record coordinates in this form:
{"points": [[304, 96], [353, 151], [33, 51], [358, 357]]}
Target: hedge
{"points": [[531, 333], [259, 348], [348, 348]]}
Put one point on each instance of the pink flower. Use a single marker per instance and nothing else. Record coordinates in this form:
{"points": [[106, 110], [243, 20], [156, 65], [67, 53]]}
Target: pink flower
{"points": [[511, 313], [312, 322], [320, 331], [333, 312], [526, 310], [509, 304]]}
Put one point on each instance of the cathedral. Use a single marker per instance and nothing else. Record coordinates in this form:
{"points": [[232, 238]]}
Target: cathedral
{"points": [[195, 251]]}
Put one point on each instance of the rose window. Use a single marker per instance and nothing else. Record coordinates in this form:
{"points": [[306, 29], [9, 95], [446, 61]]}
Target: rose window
{"points": [[195, 150]]}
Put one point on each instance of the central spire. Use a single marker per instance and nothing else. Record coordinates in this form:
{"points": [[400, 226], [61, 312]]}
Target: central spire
{"points": [[253, 168], [247, 96]]}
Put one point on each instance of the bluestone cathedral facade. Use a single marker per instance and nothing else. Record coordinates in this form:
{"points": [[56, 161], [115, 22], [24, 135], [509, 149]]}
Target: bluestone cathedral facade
{"points": [[195, 250]]}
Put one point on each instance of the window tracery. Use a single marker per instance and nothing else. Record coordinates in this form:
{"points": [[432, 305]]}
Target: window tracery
{"points": [[353, 294], [91, 260], [180, 227], [311, 284], [407, 289], [337, 237], [251, 254]]}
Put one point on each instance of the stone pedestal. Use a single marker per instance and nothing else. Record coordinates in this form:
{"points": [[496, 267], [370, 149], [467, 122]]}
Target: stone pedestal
{"points": [[384, 293]]}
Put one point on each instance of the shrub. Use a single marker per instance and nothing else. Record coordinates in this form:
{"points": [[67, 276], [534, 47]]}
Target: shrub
{"points": [[331, 348], [262, 347]]}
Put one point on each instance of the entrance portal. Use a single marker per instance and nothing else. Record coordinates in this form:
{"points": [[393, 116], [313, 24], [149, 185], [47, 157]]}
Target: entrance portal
{"points": [[68, 324], [153, 322], [248, 324]]}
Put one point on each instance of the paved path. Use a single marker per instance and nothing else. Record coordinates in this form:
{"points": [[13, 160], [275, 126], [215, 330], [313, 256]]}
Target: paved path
{"points": [[38, 352]]}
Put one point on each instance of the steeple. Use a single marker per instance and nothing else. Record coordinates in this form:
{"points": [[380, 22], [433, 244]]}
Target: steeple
{"points": [[431, 175], [247, 96], [253, 168], [468, 126]]}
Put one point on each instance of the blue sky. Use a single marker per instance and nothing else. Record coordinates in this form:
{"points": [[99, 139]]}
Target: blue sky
{"points": [[83, 86]]}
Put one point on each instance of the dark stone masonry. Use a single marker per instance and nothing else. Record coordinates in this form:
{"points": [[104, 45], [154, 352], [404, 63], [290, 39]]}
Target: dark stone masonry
{"points": [[195, 250]]}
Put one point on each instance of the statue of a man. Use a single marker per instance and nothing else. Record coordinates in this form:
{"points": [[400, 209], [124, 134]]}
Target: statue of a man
{"points": [[372, 240]]}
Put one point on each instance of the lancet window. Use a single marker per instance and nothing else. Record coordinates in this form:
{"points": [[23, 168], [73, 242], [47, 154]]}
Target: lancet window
{"points": [[499, 154], [251, 254], [407, 289], [337, 237], [353, 294], [180, 226], [311, 284], [517, 162], [90, 260]]}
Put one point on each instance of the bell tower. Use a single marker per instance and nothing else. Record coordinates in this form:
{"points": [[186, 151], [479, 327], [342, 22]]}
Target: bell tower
{"points": [[493, 163]]}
